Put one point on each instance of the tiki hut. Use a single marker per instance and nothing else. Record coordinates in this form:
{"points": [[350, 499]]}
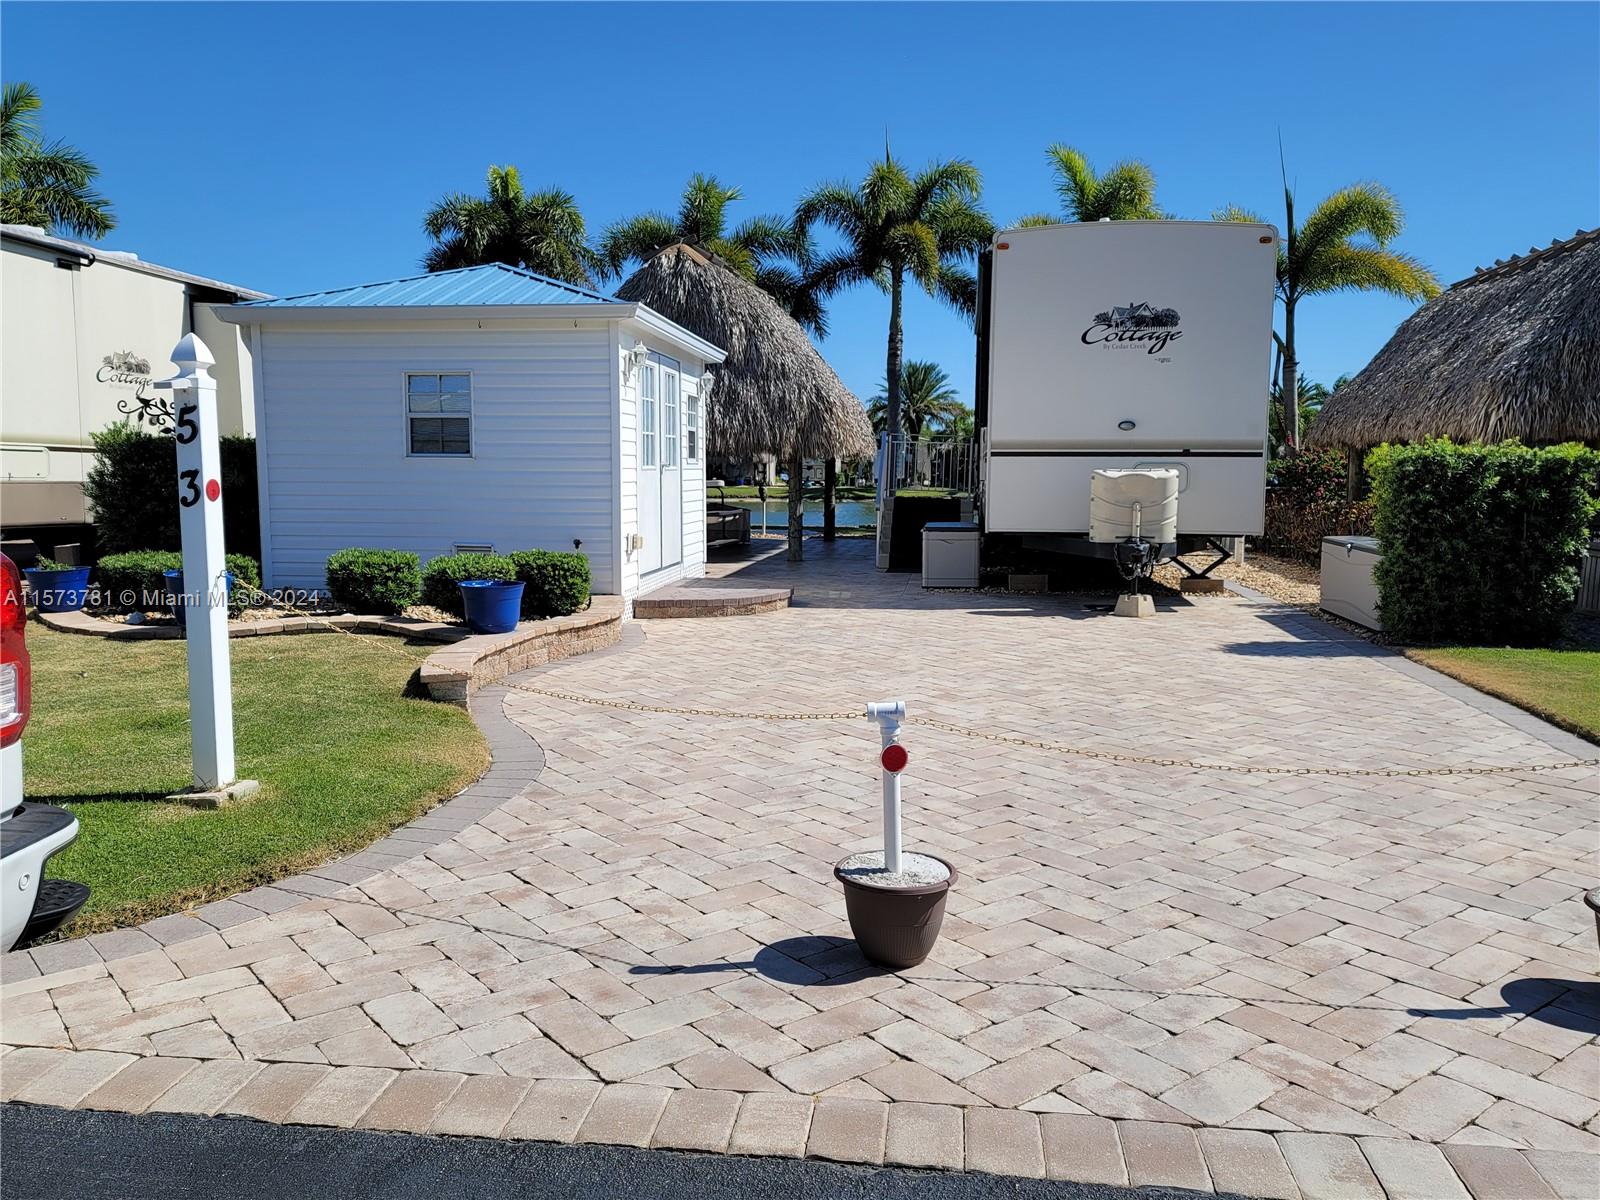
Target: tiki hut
{"points": [[774, 394], [1512, 352]]}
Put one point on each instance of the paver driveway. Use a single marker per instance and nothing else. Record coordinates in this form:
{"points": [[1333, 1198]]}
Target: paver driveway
{"points": [[1403, 960]]}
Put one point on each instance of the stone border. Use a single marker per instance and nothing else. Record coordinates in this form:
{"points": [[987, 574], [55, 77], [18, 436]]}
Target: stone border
{"points": [[711, 602], [91, 626], [454, 673], [1077, 1147], [470, 661]]}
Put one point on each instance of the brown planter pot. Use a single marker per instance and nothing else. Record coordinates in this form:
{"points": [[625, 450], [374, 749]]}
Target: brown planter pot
{"points": [[896, 927]]}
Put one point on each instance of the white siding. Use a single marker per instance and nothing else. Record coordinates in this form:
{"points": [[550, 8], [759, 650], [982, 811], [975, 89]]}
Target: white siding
{"points": [[334, 443]]}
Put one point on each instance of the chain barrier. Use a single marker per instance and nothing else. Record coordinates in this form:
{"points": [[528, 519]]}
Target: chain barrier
{"points": [[1088, 752], [1111, 756]]}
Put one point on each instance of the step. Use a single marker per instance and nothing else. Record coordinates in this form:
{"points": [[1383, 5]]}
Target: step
{"points": [[691, 600]]}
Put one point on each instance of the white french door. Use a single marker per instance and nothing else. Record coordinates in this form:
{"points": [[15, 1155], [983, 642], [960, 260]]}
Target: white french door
{"points": [[671, 467], [660, 464], [649, 467]]}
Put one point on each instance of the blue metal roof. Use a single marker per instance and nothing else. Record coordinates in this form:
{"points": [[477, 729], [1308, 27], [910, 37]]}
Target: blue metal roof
{"points": [[493, 283]]}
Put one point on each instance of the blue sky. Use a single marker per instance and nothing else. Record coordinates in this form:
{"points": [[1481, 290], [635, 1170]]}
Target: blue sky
{"points": [[294, 147]]}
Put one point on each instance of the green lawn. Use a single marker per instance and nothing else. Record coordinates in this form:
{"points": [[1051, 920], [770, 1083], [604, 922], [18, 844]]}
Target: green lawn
{"points": [[1562, 686], [343, 756]]}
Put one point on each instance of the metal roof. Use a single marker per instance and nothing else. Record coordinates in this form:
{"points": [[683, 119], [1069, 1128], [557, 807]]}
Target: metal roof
{"points": [[490, 284], [89, 255]]}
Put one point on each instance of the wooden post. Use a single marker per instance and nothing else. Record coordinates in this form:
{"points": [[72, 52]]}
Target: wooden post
{"points": [[1352, 475], [830, 488], [205, 576], [797, 509]]}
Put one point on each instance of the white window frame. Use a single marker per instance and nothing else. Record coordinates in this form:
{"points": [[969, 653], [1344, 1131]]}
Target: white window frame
{"points": [[691, 426], [649, 459], [671, 408], [406, 414]]}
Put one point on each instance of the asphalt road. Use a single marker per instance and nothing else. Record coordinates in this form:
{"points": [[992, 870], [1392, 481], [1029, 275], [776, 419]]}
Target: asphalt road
{"points": [[51, 1152]]}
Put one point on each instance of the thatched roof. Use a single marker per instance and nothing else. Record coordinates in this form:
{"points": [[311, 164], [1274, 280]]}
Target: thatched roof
{"points": [[1514, 351], [773, 388]]}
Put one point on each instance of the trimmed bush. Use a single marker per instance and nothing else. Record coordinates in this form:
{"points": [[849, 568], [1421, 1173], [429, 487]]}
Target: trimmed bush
{"points": [[1481, 544], [374, 581], [441, 577], [133, 489], [556, 581], [133, 581], [136, 580]]}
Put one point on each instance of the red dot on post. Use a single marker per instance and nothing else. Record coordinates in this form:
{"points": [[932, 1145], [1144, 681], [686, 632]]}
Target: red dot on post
{"points": [[895, 757], [213, 489]]}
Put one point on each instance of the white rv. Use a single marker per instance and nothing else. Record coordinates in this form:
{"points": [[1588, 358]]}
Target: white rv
{"points": [[1122, 345]]}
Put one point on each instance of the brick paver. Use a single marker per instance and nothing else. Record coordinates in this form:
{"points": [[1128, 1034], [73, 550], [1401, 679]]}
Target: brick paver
{"points": [[634, 903]]}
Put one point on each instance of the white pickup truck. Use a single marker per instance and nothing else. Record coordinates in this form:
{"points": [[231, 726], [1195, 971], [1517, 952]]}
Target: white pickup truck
{"points": [[31, 906]]}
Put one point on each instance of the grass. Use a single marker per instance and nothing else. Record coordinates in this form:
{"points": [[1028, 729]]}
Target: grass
{"points": [[1562, 686], [322, 720]]}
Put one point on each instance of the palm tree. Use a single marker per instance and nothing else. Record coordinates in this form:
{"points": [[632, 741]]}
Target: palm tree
{"points": [[48, 184], [1126, 192], [927, 401], [1312, 397], [1342, 247], [928, 226], [541, 232], [768, 251]]}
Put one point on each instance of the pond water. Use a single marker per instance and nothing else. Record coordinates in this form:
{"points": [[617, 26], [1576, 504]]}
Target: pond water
{"points": [[847, 513]]}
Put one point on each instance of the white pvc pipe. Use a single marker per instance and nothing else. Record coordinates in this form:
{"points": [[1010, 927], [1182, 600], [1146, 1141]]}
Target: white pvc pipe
{"points": [[888, 714]]}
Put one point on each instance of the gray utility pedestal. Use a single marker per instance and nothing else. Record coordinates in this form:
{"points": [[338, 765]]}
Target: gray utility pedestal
{"points": [[949, 554], [1348, 589]]}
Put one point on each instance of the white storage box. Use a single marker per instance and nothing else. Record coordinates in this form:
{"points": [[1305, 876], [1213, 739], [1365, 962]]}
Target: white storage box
{"points": [[949, 555], [1348, 589]]}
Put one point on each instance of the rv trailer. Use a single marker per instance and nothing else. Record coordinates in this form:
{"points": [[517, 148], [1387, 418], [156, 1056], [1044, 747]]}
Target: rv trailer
{"points": [[1119, 346]]}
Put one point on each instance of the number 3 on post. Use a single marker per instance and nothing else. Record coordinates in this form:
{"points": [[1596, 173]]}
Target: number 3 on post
{"points": [[189, 496]]}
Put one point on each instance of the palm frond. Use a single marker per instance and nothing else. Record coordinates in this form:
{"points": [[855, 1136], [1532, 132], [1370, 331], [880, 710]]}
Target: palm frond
{"points": [[1357, 268], [1075, 180], [1361, 208]]}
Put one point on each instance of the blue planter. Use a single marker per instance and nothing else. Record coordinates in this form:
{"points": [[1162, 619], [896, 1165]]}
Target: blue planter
{"points": [[176, 598], [58, 591], [492, 606]]}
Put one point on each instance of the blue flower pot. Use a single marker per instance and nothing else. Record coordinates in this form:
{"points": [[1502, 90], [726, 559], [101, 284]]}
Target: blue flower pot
{"points": [[492, 605], [58, 591], [176, 597]]}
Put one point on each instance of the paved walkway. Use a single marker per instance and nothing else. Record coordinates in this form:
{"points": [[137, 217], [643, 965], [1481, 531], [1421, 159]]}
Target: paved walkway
{"points": [[1243, 981]]}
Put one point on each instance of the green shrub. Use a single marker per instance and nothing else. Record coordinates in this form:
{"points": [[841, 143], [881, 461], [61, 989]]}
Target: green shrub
{"points": [[133, 580], [133, 489], [557, 581], [1306, 503], [441, 577], [1481, 544], [136, 580], [374, 581]]}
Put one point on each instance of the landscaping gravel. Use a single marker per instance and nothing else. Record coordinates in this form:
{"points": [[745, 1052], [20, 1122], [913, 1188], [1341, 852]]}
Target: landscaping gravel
{"points": [[916, 870]]}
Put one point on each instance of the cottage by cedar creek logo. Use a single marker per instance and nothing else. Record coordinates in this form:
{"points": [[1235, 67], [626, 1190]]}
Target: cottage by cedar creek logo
{"points": [[1134, 326]]}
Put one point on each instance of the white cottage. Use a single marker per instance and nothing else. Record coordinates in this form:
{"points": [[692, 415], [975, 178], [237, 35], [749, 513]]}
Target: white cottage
{"points": [[485, 408]]}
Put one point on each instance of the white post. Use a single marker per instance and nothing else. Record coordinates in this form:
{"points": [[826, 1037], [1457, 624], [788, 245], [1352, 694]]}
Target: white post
{"points": [[205, 581], [888, 714]]}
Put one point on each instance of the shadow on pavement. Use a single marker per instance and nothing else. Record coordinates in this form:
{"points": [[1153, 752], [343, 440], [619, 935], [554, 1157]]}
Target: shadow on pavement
{"points": [[1566, 1003]]}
